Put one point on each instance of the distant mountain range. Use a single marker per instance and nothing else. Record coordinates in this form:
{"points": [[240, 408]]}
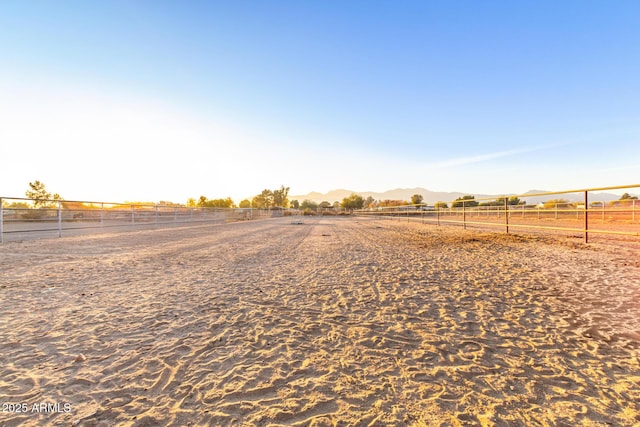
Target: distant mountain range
{"points": [[431, 197]]}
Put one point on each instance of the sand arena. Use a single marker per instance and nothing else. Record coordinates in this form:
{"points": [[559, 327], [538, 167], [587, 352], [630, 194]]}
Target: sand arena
{"points": [[332, 322]]}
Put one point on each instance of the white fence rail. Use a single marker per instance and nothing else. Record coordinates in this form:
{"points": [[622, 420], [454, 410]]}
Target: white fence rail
{"points": [[586, 214], [22, 218]]}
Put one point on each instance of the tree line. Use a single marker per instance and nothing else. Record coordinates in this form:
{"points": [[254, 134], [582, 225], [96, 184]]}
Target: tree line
{"points": [[279, 199], [267, 199]]}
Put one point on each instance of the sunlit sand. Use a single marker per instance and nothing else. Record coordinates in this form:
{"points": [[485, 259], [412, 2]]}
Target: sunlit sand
{"points": [[325, 322]]}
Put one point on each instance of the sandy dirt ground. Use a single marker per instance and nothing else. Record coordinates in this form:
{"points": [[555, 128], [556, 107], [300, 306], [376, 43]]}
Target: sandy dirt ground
{"points": [[332, 322]]}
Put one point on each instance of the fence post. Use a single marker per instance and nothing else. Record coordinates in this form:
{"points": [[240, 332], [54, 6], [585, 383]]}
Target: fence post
{"points": [[586, 217], [102, 215], [438, 214], [633, 209], [59, 218], [1, 219], [506, 214], [133, 216], [156, 206], [464, 216]]}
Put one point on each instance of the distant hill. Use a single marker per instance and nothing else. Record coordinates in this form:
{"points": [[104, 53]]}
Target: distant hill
{"points": [[431, 197]]}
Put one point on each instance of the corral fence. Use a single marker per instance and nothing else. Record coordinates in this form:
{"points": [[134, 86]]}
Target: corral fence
{"points": [[587, 212], [22, 218]]}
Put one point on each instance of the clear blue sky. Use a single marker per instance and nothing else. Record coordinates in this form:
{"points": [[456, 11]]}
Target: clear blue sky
{"points": [[165, 100]]}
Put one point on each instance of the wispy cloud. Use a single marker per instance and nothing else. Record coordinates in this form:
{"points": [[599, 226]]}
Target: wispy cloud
{"points": [[620, 168], [460, 161]]}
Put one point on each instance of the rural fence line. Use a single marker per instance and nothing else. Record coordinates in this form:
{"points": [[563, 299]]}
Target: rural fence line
{"points": [[585, 213], [582, 212], [23, 218]]}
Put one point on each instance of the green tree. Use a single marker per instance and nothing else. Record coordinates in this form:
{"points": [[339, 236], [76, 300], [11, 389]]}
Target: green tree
{"points": [[203, 202], [550, 204], [391, 203], [220, 203], [295, 204], [466, 201], [627, 196], [308, 204], [441, 205], [354, 201], [515, 201], [325, 205], [41, 197], [263, 200], [500, 202], [417, 199], [245, 204], [280, 197], [191, 202]]}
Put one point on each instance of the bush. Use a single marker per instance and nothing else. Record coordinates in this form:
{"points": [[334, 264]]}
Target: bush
{"points": [[33, 214], [551, 204]]}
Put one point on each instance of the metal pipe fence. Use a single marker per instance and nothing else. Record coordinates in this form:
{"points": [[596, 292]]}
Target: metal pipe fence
{"points": [[585, 214], [23, 218]]}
